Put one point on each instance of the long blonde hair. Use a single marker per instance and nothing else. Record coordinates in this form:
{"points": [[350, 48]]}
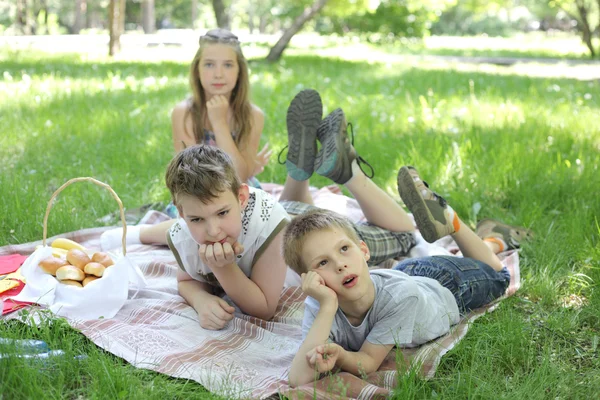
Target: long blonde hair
{"points": [[239, 101]]}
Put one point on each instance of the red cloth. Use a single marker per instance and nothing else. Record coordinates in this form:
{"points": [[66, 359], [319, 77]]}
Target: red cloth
{"points": [[11, 305], [9, 264]]}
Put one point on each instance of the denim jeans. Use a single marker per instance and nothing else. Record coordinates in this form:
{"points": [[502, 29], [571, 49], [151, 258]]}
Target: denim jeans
{"points": [[472, 282]]}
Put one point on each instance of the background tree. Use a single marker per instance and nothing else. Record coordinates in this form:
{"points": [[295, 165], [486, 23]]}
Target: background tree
{"points": [[148, 19], [79, 23], [308, 13], [116, 25], [222, 14], [587, 15]]}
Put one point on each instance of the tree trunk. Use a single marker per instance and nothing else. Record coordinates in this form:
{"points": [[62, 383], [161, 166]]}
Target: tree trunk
{"points": [[598, 26], [586, 32], [21, 17], [251, 18], [80, 7], [309, 12], [262, 24], [221, 14], [116, 25], [148, 20], [194, 13]]}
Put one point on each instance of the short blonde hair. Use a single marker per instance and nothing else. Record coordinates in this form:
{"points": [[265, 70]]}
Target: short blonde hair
{"points": [[204, 172], [306, 224]]}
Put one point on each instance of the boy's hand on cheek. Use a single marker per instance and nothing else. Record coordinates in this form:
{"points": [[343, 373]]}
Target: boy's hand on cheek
{"points": [[217, 109], [323, 357], [215, 313], [314, 286], [219, 255]]}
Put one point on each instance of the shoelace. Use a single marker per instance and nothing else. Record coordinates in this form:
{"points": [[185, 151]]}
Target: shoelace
{"points": [[279, 155], [359, 160]]}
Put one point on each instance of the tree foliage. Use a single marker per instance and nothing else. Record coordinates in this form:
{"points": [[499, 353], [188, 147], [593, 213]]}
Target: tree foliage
{"points": [[392, 18]]}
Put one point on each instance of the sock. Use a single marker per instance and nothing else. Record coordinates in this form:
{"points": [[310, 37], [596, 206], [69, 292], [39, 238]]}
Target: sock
{"points": [[113, 238], [454, 217], [501, 243], [355, 171]]}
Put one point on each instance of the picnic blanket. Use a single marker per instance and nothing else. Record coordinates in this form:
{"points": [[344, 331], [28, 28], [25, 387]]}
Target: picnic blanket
{"points": [[250, 358]]}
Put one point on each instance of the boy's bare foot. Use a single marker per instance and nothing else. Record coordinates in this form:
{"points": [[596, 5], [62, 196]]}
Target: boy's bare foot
{"points": [[434, 217]]}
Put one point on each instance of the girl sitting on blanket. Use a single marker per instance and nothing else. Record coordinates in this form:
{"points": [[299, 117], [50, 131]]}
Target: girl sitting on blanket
{"points": [[354, 316], [218, 113]]}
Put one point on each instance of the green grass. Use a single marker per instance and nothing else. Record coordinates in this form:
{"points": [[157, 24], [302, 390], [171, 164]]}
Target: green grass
{"points": [[522, 149], [524, 45]]}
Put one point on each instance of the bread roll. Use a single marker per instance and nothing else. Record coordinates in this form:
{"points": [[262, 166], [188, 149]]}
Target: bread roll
{"points": [[69, 272], [94, 268], [71, 283], [89, 279], [78, 258], [50, 264], [103, 259]]}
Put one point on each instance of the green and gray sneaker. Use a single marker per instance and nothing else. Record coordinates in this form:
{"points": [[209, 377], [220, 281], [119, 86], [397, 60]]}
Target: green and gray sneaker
{"points": [[303, 118], [513, 236], [433, 216], [334, 160]]}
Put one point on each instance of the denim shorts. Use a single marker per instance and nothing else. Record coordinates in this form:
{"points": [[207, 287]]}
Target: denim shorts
{"points": [[473, 283]]}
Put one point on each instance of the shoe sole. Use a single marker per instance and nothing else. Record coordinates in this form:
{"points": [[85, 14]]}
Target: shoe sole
{"points": [[416, 204], [331, 144], [303, 118]]}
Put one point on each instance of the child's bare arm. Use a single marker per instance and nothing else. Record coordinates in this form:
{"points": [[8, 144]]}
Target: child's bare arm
{"points": [[259, 294], [366, 360], [181, 127], [302, 371], [213, 311]]}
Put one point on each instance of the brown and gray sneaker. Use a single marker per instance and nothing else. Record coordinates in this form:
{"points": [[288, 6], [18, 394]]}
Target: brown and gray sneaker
{"points": [[434, 217], [334, 160], [513, 236]]}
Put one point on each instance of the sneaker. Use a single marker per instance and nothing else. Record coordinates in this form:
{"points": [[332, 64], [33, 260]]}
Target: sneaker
{"points": [[432, 214], [513, 236], [303, 117], [334, 160]]}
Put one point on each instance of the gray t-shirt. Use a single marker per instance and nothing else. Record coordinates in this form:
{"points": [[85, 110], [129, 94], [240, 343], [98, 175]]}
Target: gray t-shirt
{"points": [[407, 311]]}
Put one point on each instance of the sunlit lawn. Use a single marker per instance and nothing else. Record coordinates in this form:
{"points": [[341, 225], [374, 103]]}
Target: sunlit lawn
{"points": [[522, 149]]}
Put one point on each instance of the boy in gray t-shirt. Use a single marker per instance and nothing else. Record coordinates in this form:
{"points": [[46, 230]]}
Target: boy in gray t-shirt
{"points": [[354, 316]]}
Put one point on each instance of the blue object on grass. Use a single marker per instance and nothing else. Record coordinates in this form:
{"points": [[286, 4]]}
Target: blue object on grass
{"points": [[27, 346]]}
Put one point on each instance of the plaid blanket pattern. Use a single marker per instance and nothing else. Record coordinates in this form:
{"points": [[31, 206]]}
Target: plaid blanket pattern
{"points": [[157, 330]]}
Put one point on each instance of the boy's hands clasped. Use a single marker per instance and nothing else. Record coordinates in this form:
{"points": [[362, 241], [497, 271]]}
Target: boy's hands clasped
{"points": [[219, 255]]}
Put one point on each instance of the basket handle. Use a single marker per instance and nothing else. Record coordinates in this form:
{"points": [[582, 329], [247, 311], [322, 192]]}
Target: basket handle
{"points": [[97, 182]]}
